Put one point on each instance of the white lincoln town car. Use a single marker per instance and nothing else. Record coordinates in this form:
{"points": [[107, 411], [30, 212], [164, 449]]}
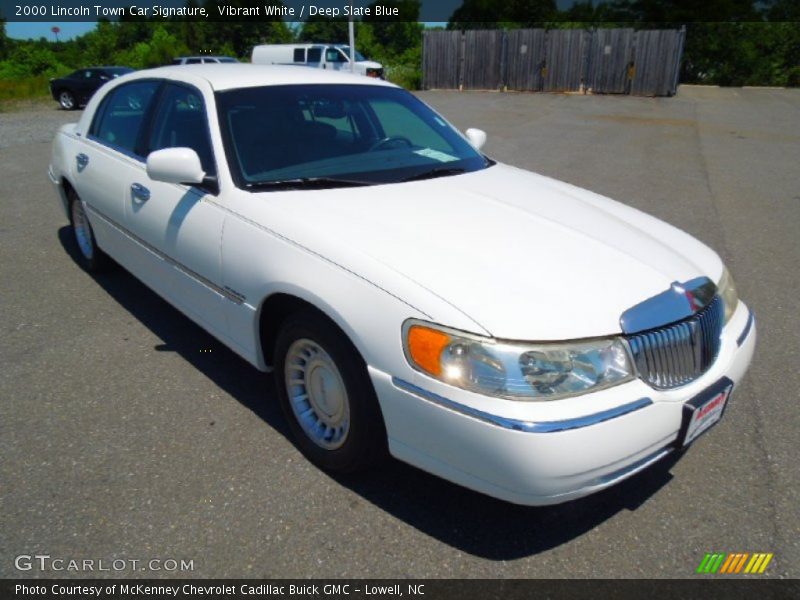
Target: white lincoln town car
{"points": [[509, 332]]}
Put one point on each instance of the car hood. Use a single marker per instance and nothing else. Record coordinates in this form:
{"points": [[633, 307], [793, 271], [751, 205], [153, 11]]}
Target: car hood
{"points": [[524, 256], [369, 64]]}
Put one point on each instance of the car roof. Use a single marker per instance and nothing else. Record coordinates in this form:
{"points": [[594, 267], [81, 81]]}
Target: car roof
{"points": [[227, 76]]}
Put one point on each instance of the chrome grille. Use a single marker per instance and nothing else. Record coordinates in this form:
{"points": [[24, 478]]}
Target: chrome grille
{"points": [[679, 353]]}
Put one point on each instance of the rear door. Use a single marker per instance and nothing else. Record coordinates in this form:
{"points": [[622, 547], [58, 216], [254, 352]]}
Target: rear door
{"points": [[111, 156], [109, 151]]}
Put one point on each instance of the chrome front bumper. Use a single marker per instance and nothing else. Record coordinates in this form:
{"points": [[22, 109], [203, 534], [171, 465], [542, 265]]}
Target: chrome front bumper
{"points": [[533, 460]]}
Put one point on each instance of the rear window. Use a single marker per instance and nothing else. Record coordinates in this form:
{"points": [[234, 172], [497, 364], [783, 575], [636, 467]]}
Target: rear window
{"points": [[118, 121]]}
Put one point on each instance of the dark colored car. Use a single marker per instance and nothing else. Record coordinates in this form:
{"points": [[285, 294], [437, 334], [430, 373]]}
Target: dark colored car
{"points": [[75, 89]]}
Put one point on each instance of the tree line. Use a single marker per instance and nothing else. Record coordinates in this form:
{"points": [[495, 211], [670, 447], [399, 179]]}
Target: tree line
{"points": [[728, 42], [142, 43]]}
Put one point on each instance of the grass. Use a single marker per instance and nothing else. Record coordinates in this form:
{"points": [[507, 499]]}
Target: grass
{"points": [[18, 94], [24, 89]]}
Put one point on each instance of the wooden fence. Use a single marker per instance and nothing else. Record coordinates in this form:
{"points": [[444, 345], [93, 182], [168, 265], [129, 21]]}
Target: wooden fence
{"points": [[600, 61]]}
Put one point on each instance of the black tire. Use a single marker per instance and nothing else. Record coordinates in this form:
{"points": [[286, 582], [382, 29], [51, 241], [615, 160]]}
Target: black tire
{"points": [[89, 255], [365, 442], [67, 100]]}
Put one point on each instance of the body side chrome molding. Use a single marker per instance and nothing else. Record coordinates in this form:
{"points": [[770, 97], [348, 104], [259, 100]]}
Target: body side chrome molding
{"points": [[225, 292], [518, 425], [746, 331]]}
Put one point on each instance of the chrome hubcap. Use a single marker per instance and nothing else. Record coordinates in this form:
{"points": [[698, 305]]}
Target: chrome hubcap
{"points": [[83, 233], [66, 100], [317, 394]]}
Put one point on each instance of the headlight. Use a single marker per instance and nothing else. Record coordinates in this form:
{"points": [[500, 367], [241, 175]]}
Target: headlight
{"points": [[727, 291], [515, 371]]}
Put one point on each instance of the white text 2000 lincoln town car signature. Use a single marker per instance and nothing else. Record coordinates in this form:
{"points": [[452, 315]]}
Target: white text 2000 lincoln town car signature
{"points": [[511, 333]]}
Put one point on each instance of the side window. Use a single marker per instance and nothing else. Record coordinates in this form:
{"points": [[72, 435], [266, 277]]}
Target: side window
{"points": [[120, 118], [181, 122], [194, 61], [314, 55], [300, 55], [332, 55]]}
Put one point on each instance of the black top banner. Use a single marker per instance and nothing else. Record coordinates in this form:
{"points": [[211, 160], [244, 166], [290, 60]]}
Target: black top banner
{"points": [[520, 12], [228, 10]]}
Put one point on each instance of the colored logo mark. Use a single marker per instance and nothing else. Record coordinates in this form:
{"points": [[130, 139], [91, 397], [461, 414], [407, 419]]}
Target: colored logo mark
{"points": [[735, 562]]}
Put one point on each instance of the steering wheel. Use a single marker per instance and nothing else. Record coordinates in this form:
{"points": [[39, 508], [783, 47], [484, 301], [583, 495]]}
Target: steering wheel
{"points": [[391, 142]]}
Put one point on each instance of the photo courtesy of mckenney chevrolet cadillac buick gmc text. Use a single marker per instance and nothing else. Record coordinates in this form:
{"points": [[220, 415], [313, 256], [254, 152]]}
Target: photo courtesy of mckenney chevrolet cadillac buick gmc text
{"points": [[509, 332]]}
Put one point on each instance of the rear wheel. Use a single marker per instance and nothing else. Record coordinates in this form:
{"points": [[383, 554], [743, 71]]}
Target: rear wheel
{"points": [[67, 100], [326, 395], [90, 257]]}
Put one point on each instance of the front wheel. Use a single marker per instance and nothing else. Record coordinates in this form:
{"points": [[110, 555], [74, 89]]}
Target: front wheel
{"points": [[326, 395], [67, 100]]}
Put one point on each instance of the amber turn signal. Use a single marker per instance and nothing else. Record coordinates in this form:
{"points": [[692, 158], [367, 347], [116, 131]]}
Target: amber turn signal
{"points": [[425, 347]]}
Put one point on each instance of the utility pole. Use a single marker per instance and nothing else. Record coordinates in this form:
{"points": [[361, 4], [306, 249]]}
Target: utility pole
{"points": [[351, 28]]}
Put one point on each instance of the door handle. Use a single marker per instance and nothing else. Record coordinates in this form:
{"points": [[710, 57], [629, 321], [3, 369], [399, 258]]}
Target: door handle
{"points": [[82, 161], [139, 192]]}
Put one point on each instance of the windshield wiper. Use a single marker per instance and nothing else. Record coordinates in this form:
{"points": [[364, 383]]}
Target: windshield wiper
{"points": [[435, 172], [307, 182]]}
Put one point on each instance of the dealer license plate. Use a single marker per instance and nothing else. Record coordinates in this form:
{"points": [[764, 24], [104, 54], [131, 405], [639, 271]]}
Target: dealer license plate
{"points": [[703, 411]]}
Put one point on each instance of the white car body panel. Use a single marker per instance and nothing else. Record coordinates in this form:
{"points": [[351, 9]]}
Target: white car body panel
{"points": [[499, 252], [440, 232]]}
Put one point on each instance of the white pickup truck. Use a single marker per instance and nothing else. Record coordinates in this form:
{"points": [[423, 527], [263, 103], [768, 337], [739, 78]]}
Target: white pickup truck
{"points": [[335, 57]]}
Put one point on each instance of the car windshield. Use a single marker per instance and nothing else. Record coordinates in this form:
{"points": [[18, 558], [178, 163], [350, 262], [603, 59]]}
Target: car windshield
{"points": [[277, 136], [358, 56]]}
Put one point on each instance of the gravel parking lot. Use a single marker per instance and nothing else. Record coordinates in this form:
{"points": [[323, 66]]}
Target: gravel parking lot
{"points": [[126, 432]]}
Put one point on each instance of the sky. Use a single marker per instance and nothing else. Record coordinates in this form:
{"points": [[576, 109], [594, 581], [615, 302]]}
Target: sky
{"points": [[27, 30]]}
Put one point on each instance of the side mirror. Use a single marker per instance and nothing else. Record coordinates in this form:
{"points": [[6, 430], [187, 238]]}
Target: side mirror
{"points": [[476, 137], [175, 165]]}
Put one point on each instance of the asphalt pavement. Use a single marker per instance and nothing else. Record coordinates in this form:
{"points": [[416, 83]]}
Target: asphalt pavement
{"points": [[128, 433]]}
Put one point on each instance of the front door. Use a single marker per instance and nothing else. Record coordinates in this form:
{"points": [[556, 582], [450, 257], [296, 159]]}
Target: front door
{"points": [[182, 223]]}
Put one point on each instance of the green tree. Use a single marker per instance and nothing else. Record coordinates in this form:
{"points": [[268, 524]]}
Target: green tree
{"points": [[783, 10], [392, 39], [101, 44], [3, 40], [162, 47], [324, 30], [489, 14], [241, 36], [30, 60]]}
